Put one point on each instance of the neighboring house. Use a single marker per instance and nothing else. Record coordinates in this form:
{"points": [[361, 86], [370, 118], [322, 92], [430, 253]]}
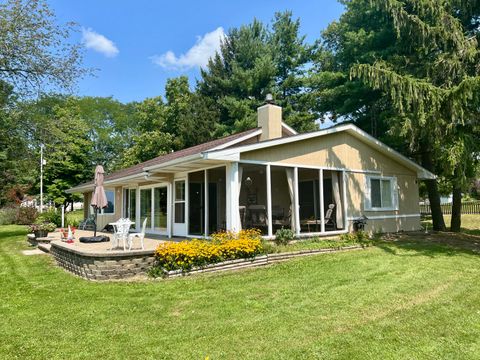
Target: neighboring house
{"points": [[268, 178]]}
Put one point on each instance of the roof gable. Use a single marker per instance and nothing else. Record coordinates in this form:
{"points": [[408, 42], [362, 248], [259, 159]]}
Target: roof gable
{"points": [[234, 154]]}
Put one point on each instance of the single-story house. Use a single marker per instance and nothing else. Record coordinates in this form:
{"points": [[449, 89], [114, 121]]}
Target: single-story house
{"points": [[269, 177]]}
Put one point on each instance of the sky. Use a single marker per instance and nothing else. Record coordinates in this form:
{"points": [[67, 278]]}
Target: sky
{"points": [[136, 45]]}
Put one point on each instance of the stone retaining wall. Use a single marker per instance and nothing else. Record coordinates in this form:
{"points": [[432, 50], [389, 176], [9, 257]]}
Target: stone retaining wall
{"points": [[121, 265], [102, 266]]}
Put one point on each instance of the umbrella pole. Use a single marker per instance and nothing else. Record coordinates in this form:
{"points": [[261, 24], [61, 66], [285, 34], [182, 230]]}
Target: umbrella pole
{"points": [[95, 229]]}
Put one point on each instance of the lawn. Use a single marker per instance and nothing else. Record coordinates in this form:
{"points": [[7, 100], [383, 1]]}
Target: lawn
{"points": [[416, 297]]}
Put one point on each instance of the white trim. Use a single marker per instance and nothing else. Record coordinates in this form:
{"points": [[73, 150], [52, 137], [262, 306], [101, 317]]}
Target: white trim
{"points": [[177, 161], [322, 197], [289, 128], [239, 140], [205, 203], [344, 193], [350, 128], [232, 200], [296, 208], [368, 193], [169, 209], [325, 168], [269, 200], [390, 216]]}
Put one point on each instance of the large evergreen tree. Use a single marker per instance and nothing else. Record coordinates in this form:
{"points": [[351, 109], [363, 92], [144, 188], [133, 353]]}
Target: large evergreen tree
{"points": [[433, 83], [255, 60]]}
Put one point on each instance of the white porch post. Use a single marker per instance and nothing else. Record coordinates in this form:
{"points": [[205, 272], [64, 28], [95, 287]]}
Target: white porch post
{"points": [[187, 206], [344, 193], [205, 202], [269, 200], [322, 205], [170, 209], [232, 180], [297, 206]]}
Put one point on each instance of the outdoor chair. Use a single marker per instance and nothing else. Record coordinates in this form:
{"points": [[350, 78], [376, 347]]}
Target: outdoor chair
{"points": [[120, 228], [140, 235], [330, 218], [88, 223], [258, 215]]}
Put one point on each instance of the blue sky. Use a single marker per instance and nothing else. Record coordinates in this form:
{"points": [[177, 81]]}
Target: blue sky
{"points": [[137, 45]]}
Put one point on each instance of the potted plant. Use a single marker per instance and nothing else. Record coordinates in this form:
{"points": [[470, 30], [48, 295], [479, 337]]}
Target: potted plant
{"points": [[42, 229]]}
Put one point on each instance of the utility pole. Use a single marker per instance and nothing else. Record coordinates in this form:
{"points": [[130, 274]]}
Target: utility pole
{"points": [[42, 162]]}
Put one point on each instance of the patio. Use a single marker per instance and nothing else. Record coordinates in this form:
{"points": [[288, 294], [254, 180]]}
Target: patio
{"points": [[95, 261], [150, 242]]}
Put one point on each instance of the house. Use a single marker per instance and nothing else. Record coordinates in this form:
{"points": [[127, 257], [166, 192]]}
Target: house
{"points": [[269, 177]]}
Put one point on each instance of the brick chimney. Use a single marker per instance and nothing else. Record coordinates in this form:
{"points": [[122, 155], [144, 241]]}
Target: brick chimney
{"points": [[269, 118]]}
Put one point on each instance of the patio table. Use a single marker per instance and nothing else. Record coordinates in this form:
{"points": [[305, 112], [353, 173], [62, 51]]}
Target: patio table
{"points": [[115, 232]]}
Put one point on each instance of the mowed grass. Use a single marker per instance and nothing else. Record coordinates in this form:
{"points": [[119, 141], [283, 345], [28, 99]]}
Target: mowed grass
{"points": [[413, 298]]}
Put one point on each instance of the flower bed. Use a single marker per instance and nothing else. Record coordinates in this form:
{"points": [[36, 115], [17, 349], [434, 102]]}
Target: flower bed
{"points": [[223, 246]]}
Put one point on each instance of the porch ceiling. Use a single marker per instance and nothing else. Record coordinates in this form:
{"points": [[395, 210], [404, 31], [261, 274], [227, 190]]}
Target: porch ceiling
{"points": [[187, 166]]}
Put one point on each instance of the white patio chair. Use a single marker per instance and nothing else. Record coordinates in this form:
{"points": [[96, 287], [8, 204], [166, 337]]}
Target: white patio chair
{"points": [[121, 228], [140, 235]]}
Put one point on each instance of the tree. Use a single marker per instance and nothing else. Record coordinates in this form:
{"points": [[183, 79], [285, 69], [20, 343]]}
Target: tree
{"points": [[434, 85], [355, 78], [14, 160], [34, 50], [56, 123], [255, 60]]}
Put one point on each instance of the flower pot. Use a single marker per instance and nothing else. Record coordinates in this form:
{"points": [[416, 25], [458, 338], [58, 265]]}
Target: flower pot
{"points": [[40, 233]]}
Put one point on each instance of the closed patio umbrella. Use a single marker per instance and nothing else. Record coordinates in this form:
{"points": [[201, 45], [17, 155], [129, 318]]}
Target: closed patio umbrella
{"points": [[99, 199]]}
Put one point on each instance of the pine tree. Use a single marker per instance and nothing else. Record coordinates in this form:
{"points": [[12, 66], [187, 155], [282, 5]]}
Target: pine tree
{"points": [[433, 83]]}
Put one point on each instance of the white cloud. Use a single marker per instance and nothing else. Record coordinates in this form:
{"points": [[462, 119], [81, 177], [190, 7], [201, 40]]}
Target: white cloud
{"points": [[196, 56], [98, 42]]}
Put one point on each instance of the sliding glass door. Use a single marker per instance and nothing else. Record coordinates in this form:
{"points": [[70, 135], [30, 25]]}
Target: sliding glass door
{"points": [[146, 207], [160, 209], [154, 207]]}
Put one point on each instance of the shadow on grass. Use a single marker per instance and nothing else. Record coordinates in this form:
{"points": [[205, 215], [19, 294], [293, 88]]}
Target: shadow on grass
{"points": [[431, 244]]}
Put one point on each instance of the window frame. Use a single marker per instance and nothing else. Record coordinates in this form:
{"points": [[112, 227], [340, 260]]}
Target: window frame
{"points": [[393, 191], [102, 211], [181, 201]]}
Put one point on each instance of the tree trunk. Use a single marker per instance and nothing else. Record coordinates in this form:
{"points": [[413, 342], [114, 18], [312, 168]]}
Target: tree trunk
{"points": [[71, 206], [456, 222], [432, 188]]}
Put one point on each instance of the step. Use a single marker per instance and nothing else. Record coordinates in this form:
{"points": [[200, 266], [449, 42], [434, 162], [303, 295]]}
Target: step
{"points": [[44, 247]]}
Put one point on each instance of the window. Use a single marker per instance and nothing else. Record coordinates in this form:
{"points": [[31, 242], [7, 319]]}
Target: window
{"points": [[180, 202], [110, 209], [381, 193]]}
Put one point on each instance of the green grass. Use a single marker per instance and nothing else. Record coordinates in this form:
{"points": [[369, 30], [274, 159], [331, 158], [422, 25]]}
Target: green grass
{"points": [[413, 298], [76, 215], [470, 223]]}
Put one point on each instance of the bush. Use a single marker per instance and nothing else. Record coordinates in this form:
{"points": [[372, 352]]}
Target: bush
{"points": [[284, 236], [26, 215], [356, 237], [48, 227], [8, 216], [51, 216], [72, 222], [186, 254]]}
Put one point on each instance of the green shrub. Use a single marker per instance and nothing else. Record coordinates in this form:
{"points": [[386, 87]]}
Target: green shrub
{"points": [[51, 216], [8, 216], [284, 236], [72, 222], [359, 237], [49, 227], [26, 215]]}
